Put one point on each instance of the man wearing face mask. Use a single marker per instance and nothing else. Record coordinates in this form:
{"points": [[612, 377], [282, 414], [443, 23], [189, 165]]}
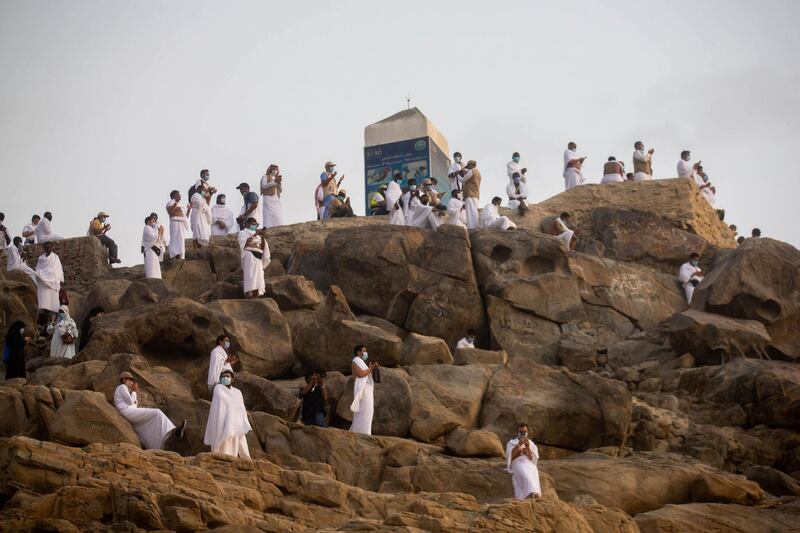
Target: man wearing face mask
{"points": [[455, 210], [393, 203], [523, 456], [468, 341], [363, 405], [152, 248], [200, 216], [100, 228], [690, 275], [271, 188], [227, 426], [517, 193], [222, 218], [220, 361], [49, 276], [330, 188], [255, 258], [513, 167], [454, 173], [151, 425], [472, 193], [250, 207]]}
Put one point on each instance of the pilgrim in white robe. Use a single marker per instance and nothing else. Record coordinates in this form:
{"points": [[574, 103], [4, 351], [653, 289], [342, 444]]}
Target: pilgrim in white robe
{"points": [[686, 275], [363, 405], [513, 193], [216, 364], [524, 471], [455, 213], [152, 266], [200, 219], [492, 219], [253, 267], [515, 168], [60, 328], [150, 424], [44, 232], [393, 193], [565, 234], [178, 229], [28, 228], [471, 213], [685, 169], [573, 176], [227, 425], [464, 343], [14, 262], [707, 193], [223, 214], [50, 276], [457, 182], [319, 201], [271, 204], [421, 216]]}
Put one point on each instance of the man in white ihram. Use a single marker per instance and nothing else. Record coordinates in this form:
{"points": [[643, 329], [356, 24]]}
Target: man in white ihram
{"points": [[152, 425], [454, 173], [49, 276], [514, 167], [178, 226], [393, 194], [222, 218], [468, 341], [200, 216], [271, 188], [456, 214], [523, 456], [690, 275], [517, 193], [152, 247], [491, 217], [363, 405], [219, 361], [573, 173], [14, 260], [255, 257], [227, 426], [44, 229], [421, 214]]}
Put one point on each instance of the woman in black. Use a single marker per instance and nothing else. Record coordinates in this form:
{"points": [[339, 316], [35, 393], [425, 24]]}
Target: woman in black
{"points": [[15, 341]]}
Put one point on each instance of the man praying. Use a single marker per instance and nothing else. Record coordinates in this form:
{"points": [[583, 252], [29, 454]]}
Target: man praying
{"points": [[492, 219], [690, 275], [49, 276]]}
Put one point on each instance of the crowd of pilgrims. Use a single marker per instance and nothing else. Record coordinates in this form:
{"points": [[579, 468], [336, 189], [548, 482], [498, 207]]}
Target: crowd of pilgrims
{"points": [[405, 201]]}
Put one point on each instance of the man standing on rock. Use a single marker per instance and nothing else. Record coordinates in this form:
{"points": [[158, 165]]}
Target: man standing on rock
{"points": [[250, 207], [152, 425], [363, 406], [514, 167], [219, 361], [255, 258], [178, 226], [227, 426], [330, 188], [642, 162], [523, 456], [152, 248], [99, 228], [393, 194], [201, 215], [49, 276], [222, 219], [472, 193], [454, 173], [573, 173], [271, 188], [690, 275]]}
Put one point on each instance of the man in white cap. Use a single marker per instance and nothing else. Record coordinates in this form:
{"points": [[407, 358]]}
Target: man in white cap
{"points": [[377, 201], [100, 228], [271, 188], [152, 425], [227, 426]]}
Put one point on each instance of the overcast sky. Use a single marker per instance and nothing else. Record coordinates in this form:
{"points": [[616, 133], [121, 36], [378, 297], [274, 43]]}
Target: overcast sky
{"points": [[111, 104]]}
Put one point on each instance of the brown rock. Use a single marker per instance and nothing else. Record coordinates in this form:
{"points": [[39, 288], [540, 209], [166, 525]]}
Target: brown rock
{"points": [[521, 334], [190, 278], [262, 395], [423, 350], [474, 443], [292, 292], [718, 517], [476, 356], [86, 417], [713, 339]]}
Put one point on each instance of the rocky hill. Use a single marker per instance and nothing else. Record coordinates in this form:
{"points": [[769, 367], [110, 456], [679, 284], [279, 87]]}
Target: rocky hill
{"points": [[649, 416]]}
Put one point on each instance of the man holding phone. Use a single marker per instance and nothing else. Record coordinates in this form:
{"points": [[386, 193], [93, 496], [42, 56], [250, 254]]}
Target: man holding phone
{"points": [[523, 456]]}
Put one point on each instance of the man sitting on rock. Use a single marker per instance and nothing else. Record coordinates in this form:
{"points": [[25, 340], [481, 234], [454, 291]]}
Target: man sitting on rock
{"points": [[491, 217], [560, 229], [100, 228], [227, 426], [150, 424], [468, 341], [690, 275], [522, 456]]}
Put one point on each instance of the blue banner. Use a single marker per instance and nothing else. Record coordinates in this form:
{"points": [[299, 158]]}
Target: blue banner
{"points": [[411, 159]]}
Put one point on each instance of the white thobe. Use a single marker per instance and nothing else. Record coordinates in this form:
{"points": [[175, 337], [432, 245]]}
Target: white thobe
{"points": [[641, 155], [455, 214], [252, 267], [458, 181], [178, 228], [152, 266], [393, 193], [685, 275], [150, 424], [572, 176], [685, 169], [44, 232], [50, 276], [524, 472], [566, 234], [14, 262], [216, 364], [464, 343], [26, 229], [492, 219], [222, 213], [319, 198], [471, 213], [363, 405], [421, 216], [200, 219], [58, 348], [511, 192], [227, 425], [512, 168], [271, 205], [707, 193]]}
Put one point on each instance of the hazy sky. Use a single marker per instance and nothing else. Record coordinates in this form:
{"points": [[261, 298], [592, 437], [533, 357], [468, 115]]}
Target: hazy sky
{"points": [[111, 104]]}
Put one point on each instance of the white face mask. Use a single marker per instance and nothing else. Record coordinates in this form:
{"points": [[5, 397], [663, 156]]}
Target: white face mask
{"points": [[457, 159], [22, 331], [364, 355]]}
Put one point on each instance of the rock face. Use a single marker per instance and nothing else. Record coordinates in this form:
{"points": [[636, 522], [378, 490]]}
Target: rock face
{"points": [[87, 417], [84, 259], [758, 281], [712, 339]]}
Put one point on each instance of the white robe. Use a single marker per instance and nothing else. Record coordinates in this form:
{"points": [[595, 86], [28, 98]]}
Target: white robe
{"points": [[200, 219], [511, 191], [464, 343], [252, 267], [641, 155], [216, 364], [707, 193], [178, 229], [455, 214], [152, 266], [421, 216], [363, 406], [458, 181], [566, 234], [227, 425], [271, 205], [58, 348], [222, 213], [393, 193], [44, 232], [50, 276], [572, 176], [14, 262], [512, 168], [471, 213], [492, 219], [524, 472], [29, 227], [685, 275], [150, 424], [685, 169]]}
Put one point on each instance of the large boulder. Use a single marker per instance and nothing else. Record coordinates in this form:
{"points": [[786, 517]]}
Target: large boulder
{"points": [[423, 350], [760, 281], [474, 443], [292, 292], [392, 400], [421, 280], [86, 417], [712, 339], [17, 302], [520, 334], [476, 356], [598, 409], [259, 333], [719, 517], [84, 259], [263, 395], [190, 278]]}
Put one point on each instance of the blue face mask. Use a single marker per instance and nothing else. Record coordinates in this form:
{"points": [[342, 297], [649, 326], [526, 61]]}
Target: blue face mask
{"points": [[694, 262], [515, 159], [364, 355], [254, 227], [225, 380], [227, 345], [332, 170]]}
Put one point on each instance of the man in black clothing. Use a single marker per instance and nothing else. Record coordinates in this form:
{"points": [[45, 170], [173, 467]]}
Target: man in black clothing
{"points": [[314, 395]]}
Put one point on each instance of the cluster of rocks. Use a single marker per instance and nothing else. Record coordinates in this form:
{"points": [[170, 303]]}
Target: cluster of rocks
{"points": [[649, 416]]}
